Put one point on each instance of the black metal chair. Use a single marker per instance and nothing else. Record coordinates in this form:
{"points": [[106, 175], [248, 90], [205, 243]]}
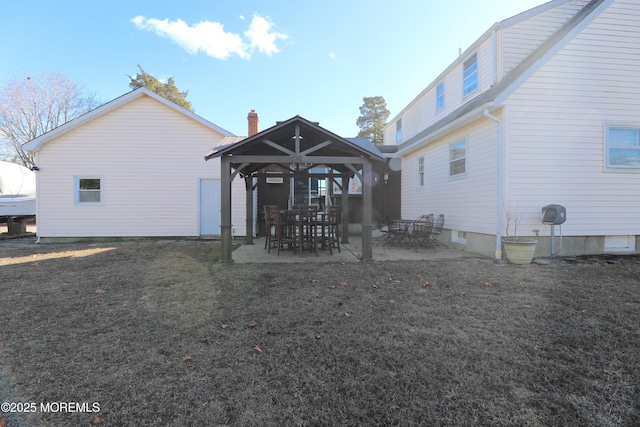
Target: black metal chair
{"points": [[396, 232], [438, 225], [422, 232]]}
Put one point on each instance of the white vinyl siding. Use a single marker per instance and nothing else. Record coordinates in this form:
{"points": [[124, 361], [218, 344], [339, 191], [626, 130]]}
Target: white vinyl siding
{"points": [[422, 112], [389, 135], [521, 38], [513, 44], [150, 159], [554, 130], [557, 148], [468, 204]]}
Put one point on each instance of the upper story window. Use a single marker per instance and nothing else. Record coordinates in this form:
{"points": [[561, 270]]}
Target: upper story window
{"points": [[88, 190], [440, 96], [458, 158], [470, 77], [420, 171], [399, 130], [623, 147]]}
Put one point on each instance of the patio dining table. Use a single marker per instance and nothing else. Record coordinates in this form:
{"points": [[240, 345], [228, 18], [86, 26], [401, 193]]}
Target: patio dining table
{"points": [[409, 232], [305, 228], [398, 232]]}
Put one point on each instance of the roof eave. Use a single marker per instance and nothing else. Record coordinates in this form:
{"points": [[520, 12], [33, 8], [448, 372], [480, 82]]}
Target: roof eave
{"points": [[495, 97], [37, 143], [461, 58], [221, 151], [428, 136], [497, 26], [552, 46]]}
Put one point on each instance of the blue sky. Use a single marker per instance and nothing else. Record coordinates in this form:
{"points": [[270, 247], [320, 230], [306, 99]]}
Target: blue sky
{"points": [[279, 57]]}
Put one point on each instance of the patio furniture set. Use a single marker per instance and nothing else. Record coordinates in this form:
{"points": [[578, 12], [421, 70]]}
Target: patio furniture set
{"points": [[420, 232], [302, 228]]}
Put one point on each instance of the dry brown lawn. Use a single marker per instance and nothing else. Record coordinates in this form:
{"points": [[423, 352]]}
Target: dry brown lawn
{"points": [[160, 334]]}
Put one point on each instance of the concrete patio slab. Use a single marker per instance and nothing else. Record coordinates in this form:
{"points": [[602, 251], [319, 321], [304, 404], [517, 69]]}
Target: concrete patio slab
{"points": [[351, 252]]}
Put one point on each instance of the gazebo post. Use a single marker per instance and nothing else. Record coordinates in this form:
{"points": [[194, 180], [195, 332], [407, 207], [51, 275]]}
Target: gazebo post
{"points": [[345, 206], [248, 183], [367, 216], [225, 217]]}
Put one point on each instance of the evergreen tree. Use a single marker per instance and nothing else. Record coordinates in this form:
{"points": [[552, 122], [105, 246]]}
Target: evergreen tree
{"points": [[373, 118], [167, 90]]}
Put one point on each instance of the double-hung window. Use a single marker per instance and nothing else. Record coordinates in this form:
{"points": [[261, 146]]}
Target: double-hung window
{"points": [[399, 130], [458, 158], [88, 190], [470, 76], [440, 96], [623, 147], [420, 170]]}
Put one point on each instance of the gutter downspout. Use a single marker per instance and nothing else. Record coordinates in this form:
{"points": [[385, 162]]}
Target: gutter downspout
{"points": [[499, 186]]}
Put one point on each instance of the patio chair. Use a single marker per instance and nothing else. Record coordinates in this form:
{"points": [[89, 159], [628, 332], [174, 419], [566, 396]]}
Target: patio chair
{"points": [[422, 232], [438, 225], [396, 232], [286, 231], [307, 221], [330, 224], [270, 232]]}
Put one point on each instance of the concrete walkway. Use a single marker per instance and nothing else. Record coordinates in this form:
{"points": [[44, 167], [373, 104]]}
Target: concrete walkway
{"points": [[351, 252]]}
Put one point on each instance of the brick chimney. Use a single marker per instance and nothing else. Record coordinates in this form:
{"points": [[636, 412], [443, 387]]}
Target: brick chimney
{"points": [[253, 120]]}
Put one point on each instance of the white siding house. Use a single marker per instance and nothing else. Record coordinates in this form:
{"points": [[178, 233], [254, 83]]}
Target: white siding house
{"points": [[133, 167], [551, 116]]}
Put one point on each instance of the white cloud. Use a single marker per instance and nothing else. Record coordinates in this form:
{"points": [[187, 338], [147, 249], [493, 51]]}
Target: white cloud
{"points": [[332, 55], [262, 37], [212, 39]]}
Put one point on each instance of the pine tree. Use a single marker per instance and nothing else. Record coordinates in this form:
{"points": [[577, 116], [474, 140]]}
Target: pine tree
{"points": [[167, 90], [373, 117]]}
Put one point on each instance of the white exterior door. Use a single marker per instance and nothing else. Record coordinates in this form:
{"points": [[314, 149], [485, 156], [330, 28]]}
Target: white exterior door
{"points": [[209, 207]]}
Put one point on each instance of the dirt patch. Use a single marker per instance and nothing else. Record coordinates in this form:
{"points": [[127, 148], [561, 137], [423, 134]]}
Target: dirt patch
{"points": [[158, 333]]}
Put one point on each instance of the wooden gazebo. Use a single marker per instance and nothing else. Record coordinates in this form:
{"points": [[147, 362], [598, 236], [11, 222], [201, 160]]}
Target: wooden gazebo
{"points": [[295, 146]]}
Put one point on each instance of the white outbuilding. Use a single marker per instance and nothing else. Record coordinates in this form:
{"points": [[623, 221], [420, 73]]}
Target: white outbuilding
{"points": [[133, 167]]}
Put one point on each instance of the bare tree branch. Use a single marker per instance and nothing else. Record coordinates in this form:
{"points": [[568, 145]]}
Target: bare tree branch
{"points": [[33, 105]]}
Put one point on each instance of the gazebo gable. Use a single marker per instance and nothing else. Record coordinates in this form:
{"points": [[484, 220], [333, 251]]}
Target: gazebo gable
{"points": [[297, 144]]}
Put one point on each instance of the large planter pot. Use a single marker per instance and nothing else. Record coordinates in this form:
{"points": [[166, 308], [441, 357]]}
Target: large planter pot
{"points": [[519, 250]]}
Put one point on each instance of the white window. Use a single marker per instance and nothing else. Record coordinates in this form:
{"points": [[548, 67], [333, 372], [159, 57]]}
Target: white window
{"points": [[88, 190], [623, 147], [459, 237], [440, 96], [470, 82], [458, 158], [420, 171], [399, 130]]}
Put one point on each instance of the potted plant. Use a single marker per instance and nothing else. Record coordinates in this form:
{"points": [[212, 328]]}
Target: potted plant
{"points": [[519, 250]]}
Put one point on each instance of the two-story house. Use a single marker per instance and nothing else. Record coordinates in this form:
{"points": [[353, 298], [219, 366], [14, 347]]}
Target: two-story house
{"points": [[544, 108]]}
